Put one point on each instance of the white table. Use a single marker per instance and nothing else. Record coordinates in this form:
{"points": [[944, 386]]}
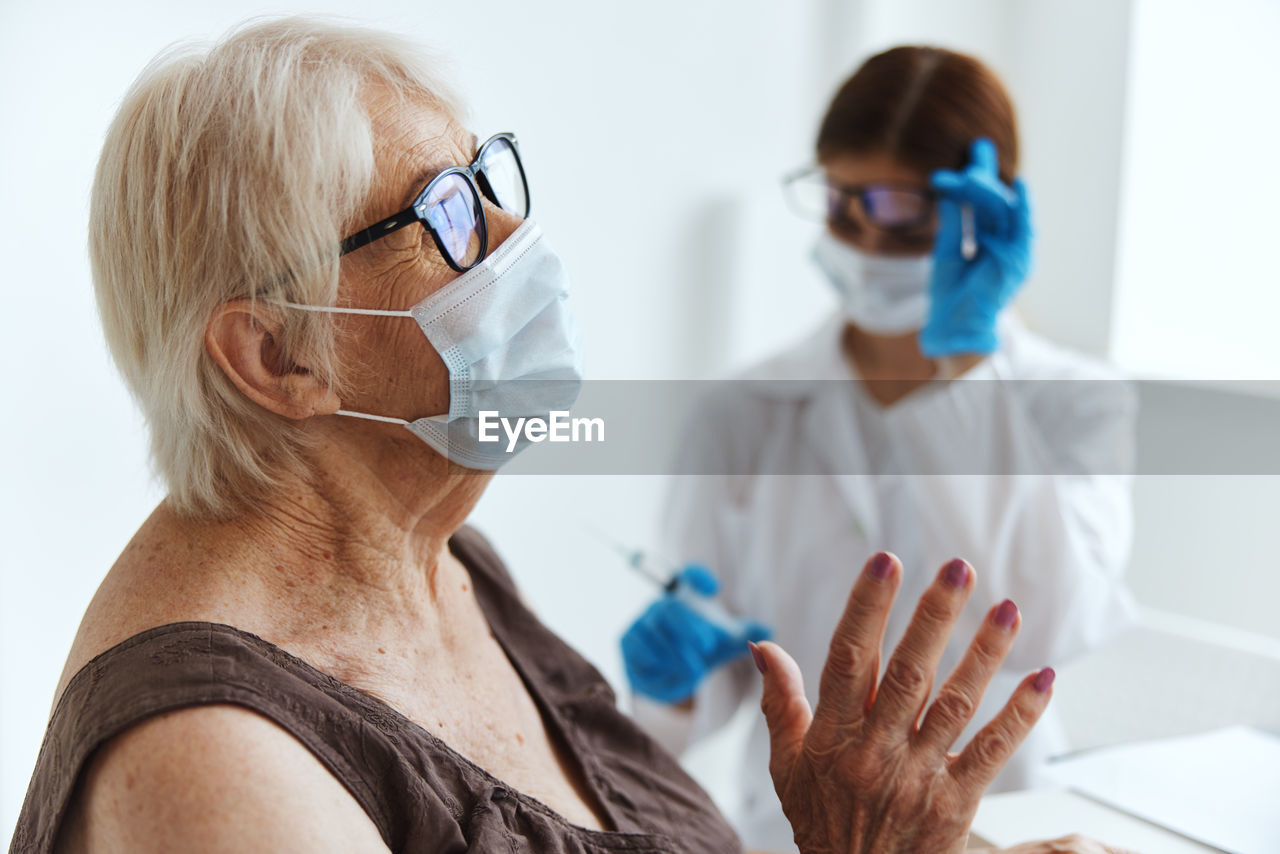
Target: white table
{"points": [[1014, 817]]}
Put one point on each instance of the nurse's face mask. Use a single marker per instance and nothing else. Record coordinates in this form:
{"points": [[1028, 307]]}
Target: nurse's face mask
{"points": [[503, 328], [883, 294]]}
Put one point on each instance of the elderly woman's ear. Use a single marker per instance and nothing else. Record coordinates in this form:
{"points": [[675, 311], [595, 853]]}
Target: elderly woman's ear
{"points": [[244, 338]]}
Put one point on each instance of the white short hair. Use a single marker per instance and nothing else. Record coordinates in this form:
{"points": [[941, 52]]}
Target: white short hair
{"points": [[229, 172]]}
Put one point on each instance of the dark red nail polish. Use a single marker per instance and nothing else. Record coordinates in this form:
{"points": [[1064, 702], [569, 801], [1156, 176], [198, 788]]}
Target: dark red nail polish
{"points": [[1044, 680], [758, 657], [1006, 614], [956, 573], [881, 566]]}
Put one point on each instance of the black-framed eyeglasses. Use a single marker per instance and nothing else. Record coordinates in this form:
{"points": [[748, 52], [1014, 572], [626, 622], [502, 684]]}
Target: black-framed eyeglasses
{"points": [[450, 207], [897, 207]]}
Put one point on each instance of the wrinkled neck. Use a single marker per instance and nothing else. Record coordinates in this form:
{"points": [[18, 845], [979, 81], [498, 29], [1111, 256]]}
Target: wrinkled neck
{"points": [[362, 534]]}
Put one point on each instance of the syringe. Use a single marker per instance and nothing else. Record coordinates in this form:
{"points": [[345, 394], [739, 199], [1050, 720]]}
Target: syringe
{"points": [[968, 233], [644, 564], [665, 575]]}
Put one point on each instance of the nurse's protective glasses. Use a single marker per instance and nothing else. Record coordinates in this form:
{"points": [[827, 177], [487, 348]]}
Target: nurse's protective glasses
{"points": [[888, 206], [450, 208]]}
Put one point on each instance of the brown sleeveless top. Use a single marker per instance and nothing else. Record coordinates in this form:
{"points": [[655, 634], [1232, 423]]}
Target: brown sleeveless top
{"points": [[421, 795]]}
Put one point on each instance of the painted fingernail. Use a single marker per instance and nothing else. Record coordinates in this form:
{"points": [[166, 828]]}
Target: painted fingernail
{"points": [[758, 657], [880, 567], [1044, 680], [1006, 614], [956, 573]]}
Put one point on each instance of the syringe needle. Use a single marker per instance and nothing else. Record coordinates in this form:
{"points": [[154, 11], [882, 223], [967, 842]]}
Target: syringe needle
{"points": [[635, 558], [638, 561]]}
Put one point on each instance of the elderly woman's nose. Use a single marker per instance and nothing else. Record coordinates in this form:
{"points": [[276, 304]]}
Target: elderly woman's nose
{"points": [[501, 224]]}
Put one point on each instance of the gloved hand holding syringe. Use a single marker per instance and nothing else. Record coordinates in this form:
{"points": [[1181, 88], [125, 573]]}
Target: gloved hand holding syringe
{"points": [[981, 254], [685, 634]]}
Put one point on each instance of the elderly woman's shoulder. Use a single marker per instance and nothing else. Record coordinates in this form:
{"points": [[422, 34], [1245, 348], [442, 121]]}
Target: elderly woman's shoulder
{"points": [[205, 764]]}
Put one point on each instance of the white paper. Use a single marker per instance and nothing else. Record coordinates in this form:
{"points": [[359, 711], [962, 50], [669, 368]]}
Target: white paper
{"points": [[1011, 818], [1222, 787]]}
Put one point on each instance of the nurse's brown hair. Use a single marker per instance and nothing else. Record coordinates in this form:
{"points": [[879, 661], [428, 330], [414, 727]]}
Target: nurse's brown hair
{"points": [[924, 106]]}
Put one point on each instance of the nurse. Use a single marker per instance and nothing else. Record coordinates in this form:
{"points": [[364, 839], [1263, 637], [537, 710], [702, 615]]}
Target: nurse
{"points": [[922, 419]]}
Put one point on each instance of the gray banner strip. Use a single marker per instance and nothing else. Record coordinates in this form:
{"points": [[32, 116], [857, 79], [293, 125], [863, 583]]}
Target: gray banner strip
{"points": [[970, 427]]}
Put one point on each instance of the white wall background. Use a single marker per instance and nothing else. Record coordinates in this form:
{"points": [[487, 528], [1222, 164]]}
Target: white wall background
{"points": [[1197, 294], [655, 134]]}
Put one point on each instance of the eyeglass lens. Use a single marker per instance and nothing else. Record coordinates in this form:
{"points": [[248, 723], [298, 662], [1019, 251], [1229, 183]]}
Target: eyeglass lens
{"points": [[453, 210], [500, 167], [890, 207], [807, 194]]}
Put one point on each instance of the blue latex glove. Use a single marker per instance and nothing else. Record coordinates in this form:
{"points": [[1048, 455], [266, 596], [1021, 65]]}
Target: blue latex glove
{"points": [[671, 647], [966, 296]]}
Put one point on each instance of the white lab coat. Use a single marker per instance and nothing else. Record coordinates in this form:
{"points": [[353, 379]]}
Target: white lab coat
{"points": [[1026, 455]]}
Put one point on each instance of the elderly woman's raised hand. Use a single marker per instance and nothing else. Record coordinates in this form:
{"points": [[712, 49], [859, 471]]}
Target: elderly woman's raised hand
{"points": [[858, 774]]}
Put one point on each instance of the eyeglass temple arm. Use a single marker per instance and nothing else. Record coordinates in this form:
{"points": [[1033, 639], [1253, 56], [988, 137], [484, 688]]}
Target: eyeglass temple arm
{"points": [[408, 216]]}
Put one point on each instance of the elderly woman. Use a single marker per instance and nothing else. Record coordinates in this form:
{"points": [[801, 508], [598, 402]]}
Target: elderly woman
{"points": [[299, 252]]}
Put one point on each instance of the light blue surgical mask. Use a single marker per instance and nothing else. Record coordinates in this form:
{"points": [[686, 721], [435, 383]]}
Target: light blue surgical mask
{"points": [[882, 294], [505, 332]]}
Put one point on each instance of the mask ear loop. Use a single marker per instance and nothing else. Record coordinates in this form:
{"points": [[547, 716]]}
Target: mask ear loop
{"points": [[333, 309], [371, 312], [386, 419]]}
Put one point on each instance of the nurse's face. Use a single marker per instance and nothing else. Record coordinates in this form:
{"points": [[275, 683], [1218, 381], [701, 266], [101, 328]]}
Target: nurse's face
{"points": [[879, 205]]}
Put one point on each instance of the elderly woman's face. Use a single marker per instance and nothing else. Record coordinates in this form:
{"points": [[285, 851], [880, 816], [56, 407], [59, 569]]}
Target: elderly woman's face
{"points": [[395, 370]]}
